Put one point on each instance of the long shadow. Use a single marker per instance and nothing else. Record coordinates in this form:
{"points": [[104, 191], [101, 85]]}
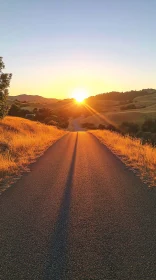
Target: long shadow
{"points": [[56, 265]]}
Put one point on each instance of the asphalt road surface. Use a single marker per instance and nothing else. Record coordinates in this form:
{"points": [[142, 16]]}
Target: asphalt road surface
{"points": [[79, 214]]}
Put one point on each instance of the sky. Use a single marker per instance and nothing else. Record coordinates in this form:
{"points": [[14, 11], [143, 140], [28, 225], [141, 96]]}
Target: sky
{"points": [[54, 47]]}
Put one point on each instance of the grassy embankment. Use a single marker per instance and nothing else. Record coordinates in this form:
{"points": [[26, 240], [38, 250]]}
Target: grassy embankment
{"points": [[21, 141], [134, 154]]}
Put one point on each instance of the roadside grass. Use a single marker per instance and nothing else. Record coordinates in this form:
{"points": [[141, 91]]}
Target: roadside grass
{"points": [[140, 157], [21, 141]]}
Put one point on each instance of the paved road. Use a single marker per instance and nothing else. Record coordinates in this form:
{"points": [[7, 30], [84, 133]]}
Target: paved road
{"points": [[80, 214]]}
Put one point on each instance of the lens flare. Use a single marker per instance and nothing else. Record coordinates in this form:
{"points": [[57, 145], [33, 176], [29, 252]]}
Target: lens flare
{"points": [[79, 95]]}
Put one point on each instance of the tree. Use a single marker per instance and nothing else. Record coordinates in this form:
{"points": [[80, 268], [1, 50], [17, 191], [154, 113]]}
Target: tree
{"points": [[14, 110], [4, 85], [129, 127], [149, 126]]}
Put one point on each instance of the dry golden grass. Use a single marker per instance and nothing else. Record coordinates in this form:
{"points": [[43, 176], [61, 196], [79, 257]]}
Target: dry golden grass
{"points": [[134, 154], [21, 141]]}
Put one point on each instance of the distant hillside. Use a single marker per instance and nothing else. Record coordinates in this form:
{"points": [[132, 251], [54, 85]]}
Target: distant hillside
{"points": [[33, 98], [122, 96]]}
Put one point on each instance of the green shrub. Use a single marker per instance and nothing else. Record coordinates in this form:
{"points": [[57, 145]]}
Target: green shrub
{"points": [[149, 126], [129, 128], [102, 126], [112, 128]]}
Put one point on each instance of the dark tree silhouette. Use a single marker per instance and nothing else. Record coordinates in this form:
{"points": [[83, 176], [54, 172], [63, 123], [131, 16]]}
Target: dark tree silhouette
{"points": [[4, 85]]}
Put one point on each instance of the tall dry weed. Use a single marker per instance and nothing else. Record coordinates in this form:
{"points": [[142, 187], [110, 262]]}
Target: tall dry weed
{"points": [[21, 141], [134, 154]]}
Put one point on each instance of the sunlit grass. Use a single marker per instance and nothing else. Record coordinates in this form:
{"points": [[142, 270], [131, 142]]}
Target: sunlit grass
{"points": [[136, 155], [21, 141]]}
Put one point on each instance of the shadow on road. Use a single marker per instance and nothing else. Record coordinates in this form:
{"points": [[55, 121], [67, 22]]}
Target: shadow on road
{"points": [[57, 262]]}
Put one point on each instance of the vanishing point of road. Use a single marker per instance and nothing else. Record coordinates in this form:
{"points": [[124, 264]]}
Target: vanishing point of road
{"points": [[79, 214]]}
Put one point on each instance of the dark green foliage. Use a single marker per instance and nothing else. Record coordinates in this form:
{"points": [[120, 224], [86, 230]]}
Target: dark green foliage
{"points": [[63, 124], [47, 116], [16, 111], [109, 127], [129, 128], [112, 128], [147, 137], [35, 110], [4, 85], [149, 126], [102, 126], [43, 114]]}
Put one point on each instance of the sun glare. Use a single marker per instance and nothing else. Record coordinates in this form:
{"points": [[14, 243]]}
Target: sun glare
{"points": [[79, 95]]}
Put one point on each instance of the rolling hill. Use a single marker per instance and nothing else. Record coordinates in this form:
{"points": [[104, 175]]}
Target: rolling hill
{"points": [[133, 106], [33, 98], [108, 108]]}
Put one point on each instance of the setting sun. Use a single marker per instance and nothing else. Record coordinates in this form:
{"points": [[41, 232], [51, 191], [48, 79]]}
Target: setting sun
{"points": [[80, 94]]}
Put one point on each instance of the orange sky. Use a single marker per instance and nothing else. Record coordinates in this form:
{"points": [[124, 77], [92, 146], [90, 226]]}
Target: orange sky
{"points": [[60, 80]]}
